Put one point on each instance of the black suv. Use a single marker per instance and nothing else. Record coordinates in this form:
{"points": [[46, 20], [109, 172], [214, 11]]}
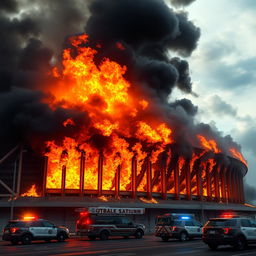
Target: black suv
{"points": [[237, 232], [25, 231], [94, 226]]}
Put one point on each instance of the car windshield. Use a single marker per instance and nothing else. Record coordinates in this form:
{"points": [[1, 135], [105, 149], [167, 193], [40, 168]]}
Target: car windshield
{"points": [[16, 224], [168, 221], [221, 223]]}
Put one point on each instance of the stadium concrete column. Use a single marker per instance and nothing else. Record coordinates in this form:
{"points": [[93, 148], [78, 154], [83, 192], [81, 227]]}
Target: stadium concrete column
{"points": [[208, 182], [45, 175], [216, 182], [229, 190], [63, 180], [82, 168], [134, 176], [242, 188], [149, 178], [177, 181], [117, 181], [188, 179], [163, 176], [199, 187], [223, 183], [100, 173]]}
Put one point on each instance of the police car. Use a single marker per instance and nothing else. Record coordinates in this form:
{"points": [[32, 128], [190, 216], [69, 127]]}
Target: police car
{"points": [[235, 231], [30, 228], [178, 226]]}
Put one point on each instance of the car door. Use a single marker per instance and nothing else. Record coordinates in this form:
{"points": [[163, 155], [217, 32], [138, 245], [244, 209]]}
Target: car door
{"points": [[50, 229], [198, 228], [190, 227], [37, 229], [253, 223], [247, 229]]}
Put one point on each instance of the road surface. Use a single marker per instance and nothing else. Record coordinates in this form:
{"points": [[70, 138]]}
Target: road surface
{"points": [[147, 246]]}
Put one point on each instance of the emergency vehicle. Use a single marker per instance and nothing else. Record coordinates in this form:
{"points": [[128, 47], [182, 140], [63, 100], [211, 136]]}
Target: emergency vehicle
{"points": [[230, 230], [178, 226], [103, 222], [30, 228]]}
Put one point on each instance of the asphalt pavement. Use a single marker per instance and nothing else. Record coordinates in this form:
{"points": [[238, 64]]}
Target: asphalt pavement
{"points": [[147, 246]]}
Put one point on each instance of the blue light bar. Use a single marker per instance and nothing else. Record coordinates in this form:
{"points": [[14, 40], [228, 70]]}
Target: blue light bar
{"points": [[185, 218]]}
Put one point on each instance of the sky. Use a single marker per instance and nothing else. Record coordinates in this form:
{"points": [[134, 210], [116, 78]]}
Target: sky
{"points": [[223, 71]]}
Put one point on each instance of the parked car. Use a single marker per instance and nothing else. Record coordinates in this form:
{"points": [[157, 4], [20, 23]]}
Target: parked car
{"points": [[237, 232], [30, 229], [100, 226], [178, 226]]}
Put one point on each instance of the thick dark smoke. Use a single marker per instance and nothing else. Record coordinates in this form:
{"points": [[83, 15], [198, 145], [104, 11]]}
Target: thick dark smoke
{"points": [[149, 30], [153, 38]]}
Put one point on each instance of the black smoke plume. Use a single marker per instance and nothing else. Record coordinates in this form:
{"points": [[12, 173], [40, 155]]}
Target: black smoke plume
{"points": [[154, 39]]}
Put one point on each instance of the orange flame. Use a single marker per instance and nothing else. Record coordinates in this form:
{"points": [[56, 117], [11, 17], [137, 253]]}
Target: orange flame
{"points": [[238, 155], [208, 144], [104, 93], [31, 192]]}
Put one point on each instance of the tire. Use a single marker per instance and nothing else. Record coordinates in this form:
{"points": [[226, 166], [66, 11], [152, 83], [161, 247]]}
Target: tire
{"points": [[92, 238], [183, 236], [61, 237], [104, 235], [165, 238], [213, 246], [138, 234], [26, 239], [240, 243], [14, 242]]}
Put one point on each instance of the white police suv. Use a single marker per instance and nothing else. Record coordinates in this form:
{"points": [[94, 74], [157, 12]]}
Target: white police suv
{"points": [[30, 228]]}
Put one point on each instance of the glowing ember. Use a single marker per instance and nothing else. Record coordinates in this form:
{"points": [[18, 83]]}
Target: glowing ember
{"points": [[31, 192], [148, 201], [69, 121], [238, 155], [103, 198]]}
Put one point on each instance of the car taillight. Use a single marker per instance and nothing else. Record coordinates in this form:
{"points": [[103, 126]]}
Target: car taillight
{"points": [[226, 230], [174, 228], [13, 230], [87, 222]]}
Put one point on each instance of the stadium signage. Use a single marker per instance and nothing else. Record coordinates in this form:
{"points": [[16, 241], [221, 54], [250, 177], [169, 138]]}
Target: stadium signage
{"points": [[110, 210]]}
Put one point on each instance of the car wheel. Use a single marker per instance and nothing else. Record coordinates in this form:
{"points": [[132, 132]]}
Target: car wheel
{"points": [[92, 238], [165, 238], [61, 237], [26, 239], [104, 235], [240, 243], [138, 234], [213, 246], [183, 236], [14, 242]]}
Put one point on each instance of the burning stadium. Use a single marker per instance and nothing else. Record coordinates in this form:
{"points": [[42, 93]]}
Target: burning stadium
{"points": [[97, 129]]}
